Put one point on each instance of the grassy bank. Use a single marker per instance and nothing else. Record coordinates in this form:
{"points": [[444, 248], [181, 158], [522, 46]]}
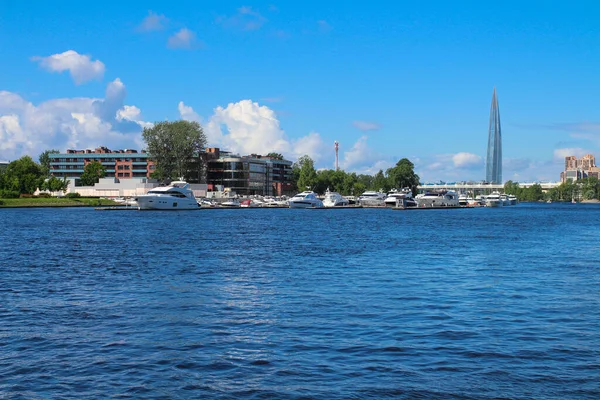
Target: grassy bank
{"points": [[56, 202]]}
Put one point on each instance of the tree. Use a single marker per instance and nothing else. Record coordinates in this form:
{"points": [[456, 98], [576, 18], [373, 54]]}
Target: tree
{"points": [[45, 160], [403, 175], [173, 147], [307, 176], [54, 184], [275, 156], [23, 176], [92, 173], [380, 182]]}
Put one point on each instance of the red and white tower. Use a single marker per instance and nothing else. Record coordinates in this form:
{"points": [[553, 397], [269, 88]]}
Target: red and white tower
{"points": [[336, 145]]}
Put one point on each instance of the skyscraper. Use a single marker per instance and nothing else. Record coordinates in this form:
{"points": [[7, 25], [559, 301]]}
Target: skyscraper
{"points": [[493, 165]]}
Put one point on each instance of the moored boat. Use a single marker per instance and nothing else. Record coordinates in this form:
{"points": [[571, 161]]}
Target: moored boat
{"points": [[176, 196], [334, 199], [306, 199]]}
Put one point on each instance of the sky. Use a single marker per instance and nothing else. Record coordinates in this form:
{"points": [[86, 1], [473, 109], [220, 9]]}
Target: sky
{"points": [[387, 80]]}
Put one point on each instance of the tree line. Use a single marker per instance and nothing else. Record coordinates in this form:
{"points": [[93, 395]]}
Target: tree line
{"points": [[582, 189], [305, 177]]}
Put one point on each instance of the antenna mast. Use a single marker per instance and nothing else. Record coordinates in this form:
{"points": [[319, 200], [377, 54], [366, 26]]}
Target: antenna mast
{"points": [[336, 145]]}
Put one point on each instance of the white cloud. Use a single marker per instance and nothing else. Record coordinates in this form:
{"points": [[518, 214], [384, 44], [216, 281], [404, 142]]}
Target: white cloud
{"points": [[28, 129], [187, 113], [363, 159], [133, 114], [183, 39], [560, 154], [153, 22], [81, 67], [246, 127], [366, 125], [467, 160]]}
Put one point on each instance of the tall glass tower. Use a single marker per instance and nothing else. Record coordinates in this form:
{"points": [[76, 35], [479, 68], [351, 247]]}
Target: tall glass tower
{"points": [[493, 166]]}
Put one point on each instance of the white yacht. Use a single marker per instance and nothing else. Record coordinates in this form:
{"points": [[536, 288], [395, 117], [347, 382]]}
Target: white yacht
{"points": [[505, 200], [438, 198], [176, 196], [334, 199], [513, 199], [463, 200], [400, 199], [306, 199], [493, 200], [372, 199]]}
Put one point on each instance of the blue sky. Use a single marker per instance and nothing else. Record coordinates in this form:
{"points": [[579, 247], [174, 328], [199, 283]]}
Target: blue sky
{"points": [[386, 79]]}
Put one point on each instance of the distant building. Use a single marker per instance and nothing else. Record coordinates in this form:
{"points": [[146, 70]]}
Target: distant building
{"points": [[245, 175], [493, 167], [579, 168], [3, 165], [122, 164], [249, 175]]}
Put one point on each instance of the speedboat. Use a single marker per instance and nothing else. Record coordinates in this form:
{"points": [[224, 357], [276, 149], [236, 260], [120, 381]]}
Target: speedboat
{"points": [[231, 203], [438, 198], [493, 200], [306, 199], [334, 199], [400, 199], [372, 199], [176, 196]]}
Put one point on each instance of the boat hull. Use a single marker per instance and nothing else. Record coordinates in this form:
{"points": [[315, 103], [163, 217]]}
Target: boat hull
{"points": [[304, 204], [165, 203]]}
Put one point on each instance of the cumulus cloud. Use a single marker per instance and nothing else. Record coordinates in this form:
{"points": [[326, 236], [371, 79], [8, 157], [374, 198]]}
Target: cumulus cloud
{"points": [[152, 22], [560, 154], [245, 18], [366, 125], [246, 127], [81, 122], [81, 67], [467, 161], [183, 39], [187, 113], [363, 159]]}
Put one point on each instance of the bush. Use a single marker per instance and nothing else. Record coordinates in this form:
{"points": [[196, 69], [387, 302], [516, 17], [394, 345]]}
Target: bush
{"points": [[73, 195], [9, 194], [44, 195], [26, 196], [1, 203]]}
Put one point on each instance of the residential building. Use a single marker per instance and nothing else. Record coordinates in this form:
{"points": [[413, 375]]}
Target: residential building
{"points": [[249, 175], [122, 164], [245, 175], [579, 168], [493, 167]]}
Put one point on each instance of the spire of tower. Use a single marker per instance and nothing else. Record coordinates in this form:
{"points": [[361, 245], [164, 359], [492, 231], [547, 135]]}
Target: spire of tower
{"points": [[493, 170]]}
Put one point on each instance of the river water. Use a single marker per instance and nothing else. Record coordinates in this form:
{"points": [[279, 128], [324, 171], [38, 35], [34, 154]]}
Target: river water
{"points": [[281, 303]]}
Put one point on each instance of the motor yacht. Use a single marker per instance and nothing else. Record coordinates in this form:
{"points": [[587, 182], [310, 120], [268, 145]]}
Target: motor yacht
{"points": [[334, 199], [372, 199], [438, 198], [505, 200], [493, 200], [176, 196], [513, 199], [401, 199], [306, 199]]}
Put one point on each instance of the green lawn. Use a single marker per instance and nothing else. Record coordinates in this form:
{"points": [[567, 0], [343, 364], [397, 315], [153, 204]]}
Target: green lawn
{"points": [[56, 202]]}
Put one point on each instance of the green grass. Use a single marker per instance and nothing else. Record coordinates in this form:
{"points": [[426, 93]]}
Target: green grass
{"points": [[56, 202]]}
